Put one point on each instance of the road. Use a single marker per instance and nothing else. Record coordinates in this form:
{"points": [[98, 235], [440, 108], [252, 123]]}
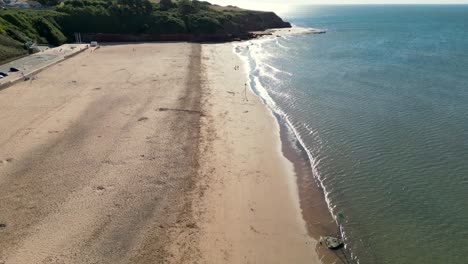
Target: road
{"points": [[34, 62]]}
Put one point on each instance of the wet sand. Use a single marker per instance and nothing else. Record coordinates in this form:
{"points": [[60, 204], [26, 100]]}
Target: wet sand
{"points": [[312, 198]]}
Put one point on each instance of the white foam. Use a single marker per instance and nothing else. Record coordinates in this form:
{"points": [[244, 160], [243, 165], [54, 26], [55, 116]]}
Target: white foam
{"points": [[252, 52]]}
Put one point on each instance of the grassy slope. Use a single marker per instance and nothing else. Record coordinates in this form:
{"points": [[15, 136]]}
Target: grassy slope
{"points": [[10, 49], [18, 26]]}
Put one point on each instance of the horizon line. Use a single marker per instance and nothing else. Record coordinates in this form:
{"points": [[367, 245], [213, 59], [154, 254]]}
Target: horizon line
{"points": [[380, 4]]}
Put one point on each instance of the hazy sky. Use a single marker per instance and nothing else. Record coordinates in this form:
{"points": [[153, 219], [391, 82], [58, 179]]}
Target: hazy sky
{"points": [[281, 5]]}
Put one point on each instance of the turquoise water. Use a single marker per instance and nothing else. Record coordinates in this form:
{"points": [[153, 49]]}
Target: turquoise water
{"points": [[381, 104]]}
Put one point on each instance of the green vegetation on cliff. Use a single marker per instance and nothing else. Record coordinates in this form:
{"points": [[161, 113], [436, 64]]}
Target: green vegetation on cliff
{"points": [[18, 26], [136, 17], [10, 48]]}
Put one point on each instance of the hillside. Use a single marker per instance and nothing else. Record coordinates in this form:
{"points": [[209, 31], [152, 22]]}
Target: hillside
{"points": [[10, 48], [142, 19], [18, 26]]}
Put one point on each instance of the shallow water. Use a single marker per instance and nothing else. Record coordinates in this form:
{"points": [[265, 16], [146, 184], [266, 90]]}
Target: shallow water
{"points": [[381, 104]]}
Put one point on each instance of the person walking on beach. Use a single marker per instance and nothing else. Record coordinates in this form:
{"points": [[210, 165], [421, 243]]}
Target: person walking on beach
{"points": [[245, 92]]}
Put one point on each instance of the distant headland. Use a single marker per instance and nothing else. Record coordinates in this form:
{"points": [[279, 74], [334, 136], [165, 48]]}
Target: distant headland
{"points": [[58, 22]]}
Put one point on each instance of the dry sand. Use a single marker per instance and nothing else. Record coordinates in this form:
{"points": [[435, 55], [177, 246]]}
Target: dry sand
{"points": [[250, 213], [145, 153], [92, 171]]}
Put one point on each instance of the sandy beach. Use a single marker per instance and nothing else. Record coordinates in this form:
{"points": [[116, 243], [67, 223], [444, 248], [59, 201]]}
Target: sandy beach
{"points": [[250, 212], [96, 160], [146, 153]]}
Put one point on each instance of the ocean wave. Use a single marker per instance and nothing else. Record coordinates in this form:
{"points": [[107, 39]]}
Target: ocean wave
{"points": [[258, 89], [276, 70], [252, 54], [278, 43]]}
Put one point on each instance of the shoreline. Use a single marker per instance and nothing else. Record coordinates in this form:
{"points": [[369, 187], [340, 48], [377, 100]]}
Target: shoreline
{"points": [[314, 208], [313, 205], [306, 202], [249, 210]]}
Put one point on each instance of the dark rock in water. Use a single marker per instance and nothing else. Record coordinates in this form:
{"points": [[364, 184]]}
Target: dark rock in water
{"points": [[331, 242]]}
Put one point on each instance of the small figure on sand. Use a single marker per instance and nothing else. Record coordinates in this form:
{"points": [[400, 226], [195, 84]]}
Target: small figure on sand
{"points": [[245, 93], [236, 68]]}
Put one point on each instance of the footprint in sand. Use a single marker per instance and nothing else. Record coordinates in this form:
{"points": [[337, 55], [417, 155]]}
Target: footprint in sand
{"points": [[8, 160]]}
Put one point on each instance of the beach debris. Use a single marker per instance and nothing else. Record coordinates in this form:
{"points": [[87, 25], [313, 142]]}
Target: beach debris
{"points": [[2, 226], [331, 242], [142, 119], [191, 225], [100, 188], [8, 160]]}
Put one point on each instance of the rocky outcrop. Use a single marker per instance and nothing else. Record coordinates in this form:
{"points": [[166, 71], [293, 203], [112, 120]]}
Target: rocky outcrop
{"points": [[254, 21]]}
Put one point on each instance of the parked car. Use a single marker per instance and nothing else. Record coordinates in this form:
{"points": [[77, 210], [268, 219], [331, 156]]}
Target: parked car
{"points": [[13, 69], [3, 74]]}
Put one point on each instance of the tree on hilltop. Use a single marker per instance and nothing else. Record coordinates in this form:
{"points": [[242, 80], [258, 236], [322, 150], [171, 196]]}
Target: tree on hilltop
{"points": [[187, 7], [165, 5], [136, 7], [49, 2]]}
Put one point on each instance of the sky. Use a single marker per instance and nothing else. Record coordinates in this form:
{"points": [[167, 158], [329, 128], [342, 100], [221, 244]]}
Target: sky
{"points": [[282, 5]]}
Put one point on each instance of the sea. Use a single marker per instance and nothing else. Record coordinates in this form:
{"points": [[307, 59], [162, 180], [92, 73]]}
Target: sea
{"points": [[380, 104]]}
